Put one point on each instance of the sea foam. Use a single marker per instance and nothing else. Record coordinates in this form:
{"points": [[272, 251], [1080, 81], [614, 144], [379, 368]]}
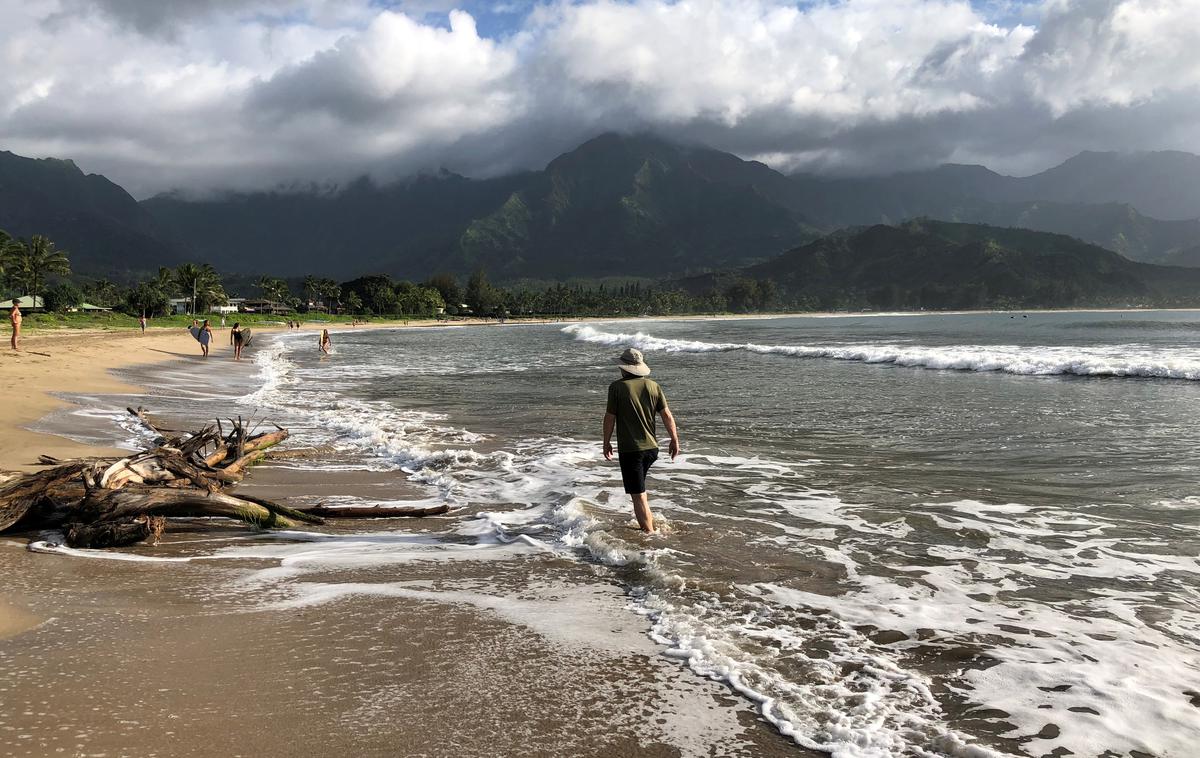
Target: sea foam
{"points": [[1096, 361]]}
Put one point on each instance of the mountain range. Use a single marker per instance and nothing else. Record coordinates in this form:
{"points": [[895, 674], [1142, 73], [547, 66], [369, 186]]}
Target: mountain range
{"points": [[937, 265], [108, 232], [617, 206]]}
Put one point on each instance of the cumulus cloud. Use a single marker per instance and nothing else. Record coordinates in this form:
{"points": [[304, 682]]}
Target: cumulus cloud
{"points": [[244, 93], [395, 86]]}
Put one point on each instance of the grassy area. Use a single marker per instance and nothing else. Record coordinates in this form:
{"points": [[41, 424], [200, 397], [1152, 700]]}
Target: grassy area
{"points": [[36, 321]]}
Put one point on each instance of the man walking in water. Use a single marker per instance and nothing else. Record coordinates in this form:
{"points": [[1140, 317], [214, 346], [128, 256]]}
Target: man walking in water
{"points": [[633, 401]]}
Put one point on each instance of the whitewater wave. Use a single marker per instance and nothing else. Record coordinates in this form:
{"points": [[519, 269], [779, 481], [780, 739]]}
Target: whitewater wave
{"points": [[1097, 361]]}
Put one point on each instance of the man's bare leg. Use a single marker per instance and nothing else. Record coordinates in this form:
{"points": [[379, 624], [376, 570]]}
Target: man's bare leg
{"points": [[16, 338], [641, 511]]}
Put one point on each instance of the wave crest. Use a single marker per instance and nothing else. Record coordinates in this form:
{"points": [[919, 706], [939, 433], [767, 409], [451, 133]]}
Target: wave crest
{"points": [[1098, 361]]}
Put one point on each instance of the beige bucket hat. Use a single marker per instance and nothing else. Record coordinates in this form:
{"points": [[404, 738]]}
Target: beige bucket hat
{"points": [[632, 361]]}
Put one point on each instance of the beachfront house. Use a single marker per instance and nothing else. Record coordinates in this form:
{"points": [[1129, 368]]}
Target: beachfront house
{"points": [[262, 305], [179, 305], [88, 308], [28, 303]]}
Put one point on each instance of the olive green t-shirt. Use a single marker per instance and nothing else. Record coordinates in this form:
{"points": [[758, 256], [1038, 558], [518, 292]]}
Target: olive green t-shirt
{"points": [[634, 402]]}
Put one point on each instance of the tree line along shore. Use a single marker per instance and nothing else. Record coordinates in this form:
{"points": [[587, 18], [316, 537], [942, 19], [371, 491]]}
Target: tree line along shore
{"points": [[40, 272], [916, 266]]}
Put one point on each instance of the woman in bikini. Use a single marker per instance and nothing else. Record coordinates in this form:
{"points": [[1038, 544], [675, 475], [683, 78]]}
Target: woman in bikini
{"points": [[236, 338], [326, 343], [14, 320]]}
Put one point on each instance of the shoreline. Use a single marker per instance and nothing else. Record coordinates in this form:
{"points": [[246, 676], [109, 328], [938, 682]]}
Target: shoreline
{"points": [[405, 621], [83, 361], [52, 363], [207, 645]]}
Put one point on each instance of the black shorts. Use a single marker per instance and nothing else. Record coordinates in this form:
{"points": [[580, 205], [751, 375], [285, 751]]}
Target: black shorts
{"points": [[634, 467]]}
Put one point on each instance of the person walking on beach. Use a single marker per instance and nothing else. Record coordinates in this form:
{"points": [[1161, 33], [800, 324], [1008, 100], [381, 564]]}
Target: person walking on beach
{"points": [[205, 336], [237, 339], [14, 318], [142, 324], [633, 402], [326, 343]]}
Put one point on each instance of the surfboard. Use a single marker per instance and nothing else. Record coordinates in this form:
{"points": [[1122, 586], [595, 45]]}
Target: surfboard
{"points": [[195, 332], [246, 338]]}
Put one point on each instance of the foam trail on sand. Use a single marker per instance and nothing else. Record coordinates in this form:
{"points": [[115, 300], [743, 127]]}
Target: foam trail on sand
{"points": [[1098, 361]]}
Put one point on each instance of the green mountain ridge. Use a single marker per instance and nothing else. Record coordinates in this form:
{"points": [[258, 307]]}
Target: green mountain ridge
{"points": [[937, 265], [1116, 226], [639, 205], [632, 206], [105, 229]]}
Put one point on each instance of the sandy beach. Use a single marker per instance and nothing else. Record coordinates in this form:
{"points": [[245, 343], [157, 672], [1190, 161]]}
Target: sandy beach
{"points": [[80, 362], [55, 362], [527, 621], [164, 656]]}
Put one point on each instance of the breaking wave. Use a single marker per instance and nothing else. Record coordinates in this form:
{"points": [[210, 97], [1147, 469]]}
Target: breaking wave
{"points": [[1095, 361]]}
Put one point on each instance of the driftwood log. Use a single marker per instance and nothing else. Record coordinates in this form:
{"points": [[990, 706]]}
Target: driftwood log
{"points": [[373, 511], [109, 502]]}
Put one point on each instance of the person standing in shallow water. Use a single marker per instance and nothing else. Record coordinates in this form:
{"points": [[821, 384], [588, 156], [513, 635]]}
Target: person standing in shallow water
{"points": [[633, 403], [237, 339]]}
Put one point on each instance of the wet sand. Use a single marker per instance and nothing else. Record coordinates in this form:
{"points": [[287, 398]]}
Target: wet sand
{"points": [[141, 658], [52, 363], [206, 658]]}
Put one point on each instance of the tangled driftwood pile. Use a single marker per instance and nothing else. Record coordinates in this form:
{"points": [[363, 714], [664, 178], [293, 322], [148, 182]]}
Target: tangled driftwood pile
{"points": [[108, 502]]}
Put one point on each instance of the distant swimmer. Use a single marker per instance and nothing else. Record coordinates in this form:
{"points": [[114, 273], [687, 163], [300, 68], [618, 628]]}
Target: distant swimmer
{"points": [[237, 339], [326, 343], [14, 318], [633, 401]]}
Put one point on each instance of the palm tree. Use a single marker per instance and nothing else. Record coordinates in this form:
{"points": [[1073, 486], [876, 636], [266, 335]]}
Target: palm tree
{"points": [[311, 285], [28, 264], [273, 289], [6, 241], [165, 281], [202, 282], [330, 293], [102, 292]]}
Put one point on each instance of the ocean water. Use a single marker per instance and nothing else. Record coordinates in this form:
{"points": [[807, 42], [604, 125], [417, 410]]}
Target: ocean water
{"points": [[934, 535]]}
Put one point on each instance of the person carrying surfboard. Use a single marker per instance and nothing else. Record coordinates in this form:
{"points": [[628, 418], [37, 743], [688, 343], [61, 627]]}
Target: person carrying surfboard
{"points": [[204, 336], [633, 402]]}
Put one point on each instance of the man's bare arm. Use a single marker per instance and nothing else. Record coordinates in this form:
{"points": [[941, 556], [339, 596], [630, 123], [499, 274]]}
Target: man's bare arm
{"points": [[669, 422], [610, 423]]}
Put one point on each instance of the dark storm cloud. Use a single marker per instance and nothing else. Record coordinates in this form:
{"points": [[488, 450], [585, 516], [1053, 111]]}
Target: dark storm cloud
{"points": [[163, 16]]}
